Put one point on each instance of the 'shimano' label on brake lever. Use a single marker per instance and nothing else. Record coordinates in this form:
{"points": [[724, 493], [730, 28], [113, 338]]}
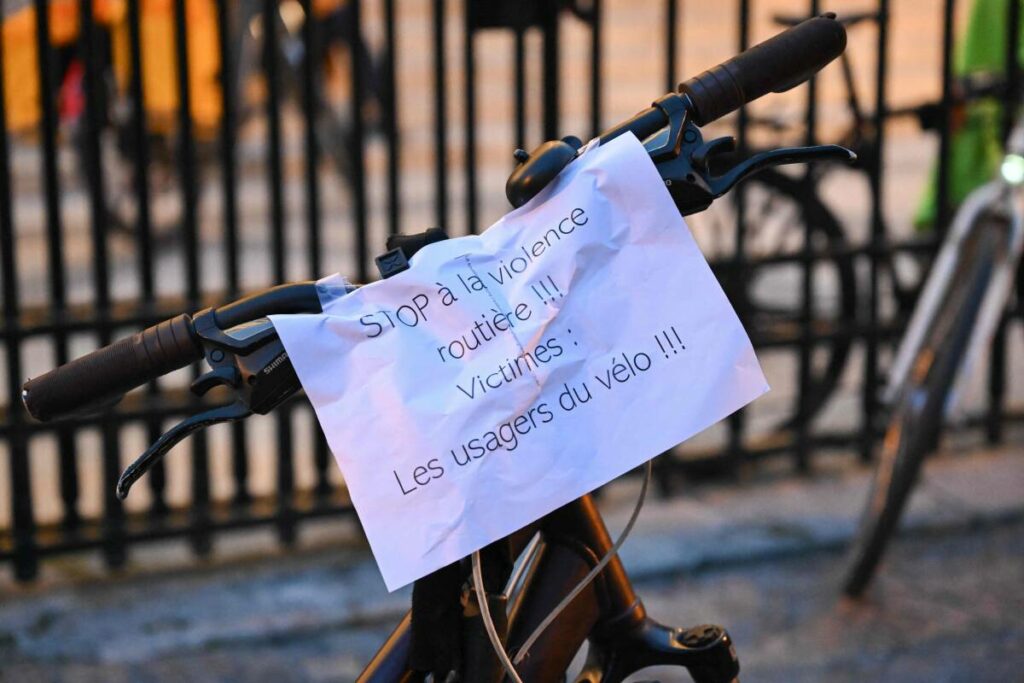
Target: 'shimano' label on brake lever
{"points": [[506, 374]]}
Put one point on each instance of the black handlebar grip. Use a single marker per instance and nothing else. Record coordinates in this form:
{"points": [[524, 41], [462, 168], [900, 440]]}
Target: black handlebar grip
{"points": [[776, 65], [109, 372]]}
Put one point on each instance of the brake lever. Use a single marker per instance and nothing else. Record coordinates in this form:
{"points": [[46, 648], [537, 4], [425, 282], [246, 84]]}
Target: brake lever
{"points": [[228, 413], [683, 160], [721, 184], [251, 362]]}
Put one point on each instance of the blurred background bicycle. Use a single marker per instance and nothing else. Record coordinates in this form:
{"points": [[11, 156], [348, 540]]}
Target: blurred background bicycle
{"points": [[244, 77]]}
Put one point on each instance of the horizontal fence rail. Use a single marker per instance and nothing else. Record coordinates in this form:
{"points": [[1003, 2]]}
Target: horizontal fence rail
{"points": [[158, 158]]}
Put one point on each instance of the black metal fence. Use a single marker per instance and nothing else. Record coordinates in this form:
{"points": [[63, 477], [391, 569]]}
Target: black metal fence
{"points": [[132, 190]]}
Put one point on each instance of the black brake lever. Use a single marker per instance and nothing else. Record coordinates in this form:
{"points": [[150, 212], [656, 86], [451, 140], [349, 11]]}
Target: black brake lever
{"points": [[229, 413], [250, 361], [777, 157], [683, 160]]}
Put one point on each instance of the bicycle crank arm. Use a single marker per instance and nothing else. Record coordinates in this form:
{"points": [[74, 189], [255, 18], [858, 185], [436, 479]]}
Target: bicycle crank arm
{"points": [[179, 432]]}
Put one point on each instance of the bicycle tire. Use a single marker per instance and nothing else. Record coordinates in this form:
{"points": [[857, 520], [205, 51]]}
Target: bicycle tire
{"points": [[916, 422]]}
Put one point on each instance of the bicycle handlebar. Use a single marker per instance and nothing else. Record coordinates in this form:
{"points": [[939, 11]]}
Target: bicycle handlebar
{"points": [[103, 376], [776, 65], [297, 297], [109, 372]]}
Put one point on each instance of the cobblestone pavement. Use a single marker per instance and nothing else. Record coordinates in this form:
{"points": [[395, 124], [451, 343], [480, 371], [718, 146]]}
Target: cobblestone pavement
{"points": [[947, 608], [760, 557]]}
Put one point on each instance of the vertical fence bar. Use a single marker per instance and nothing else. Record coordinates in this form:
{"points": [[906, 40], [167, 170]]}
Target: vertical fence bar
{"points": [[66, 447], [662, 466], [275, 178], [275, 175], [321, 461], [200, 538], [440, 116], [311, 59], [113, 512], [671, 43], [737, 420], [229, 83], [943, 205], [359, 213], [391, 119], [140, 166], [595, 68], [187, 162], [550, 68], [869, 403], [312, 52], [229, 193], [355, 41], [811, 106], [310, 98], [143, 232], [806, 352], [519, 55], [998, 364], [25, 558], [469, 73]]}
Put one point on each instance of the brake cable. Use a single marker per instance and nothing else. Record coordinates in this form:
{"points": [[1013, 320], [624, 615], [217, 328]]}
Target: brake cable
{"points": [[485, 610]]}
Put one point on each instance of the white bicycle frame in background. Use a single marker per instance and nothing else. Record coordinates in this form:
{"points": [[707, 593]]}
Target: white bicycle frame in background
{"points": [[1004, 197]]}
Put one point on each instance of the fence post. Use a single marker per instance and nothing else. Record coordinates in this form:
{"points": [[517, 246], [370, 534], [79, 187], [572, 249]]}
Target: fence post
{"points": [[595, 67], [802, 446], [26, 562], [200, 486], [550, 67], [869, 403], [469, 74], [440, 116], [737, 421]]}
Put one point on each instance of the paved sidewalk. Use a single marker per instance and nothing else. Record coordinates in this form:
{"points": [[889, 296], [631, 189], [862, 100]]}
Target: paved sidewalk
{"points": [[761, 558], [755, 522]]}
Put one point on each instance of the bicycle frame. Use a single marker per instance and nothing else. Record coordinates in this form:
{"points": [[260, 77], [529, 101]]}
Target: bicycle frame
{"points": [[623, 638], [1003, 198], [960, 307]]}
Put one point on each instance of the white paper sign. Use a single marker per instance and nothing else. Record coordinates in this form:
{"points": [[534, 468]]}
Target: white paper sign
{"points": [[506, 374]]}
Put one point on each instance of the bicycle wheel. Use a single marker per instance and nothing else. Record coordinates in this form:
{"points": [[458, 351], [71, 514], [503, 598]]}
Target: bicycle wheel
{"points": [[916, 421], [778, 209]]}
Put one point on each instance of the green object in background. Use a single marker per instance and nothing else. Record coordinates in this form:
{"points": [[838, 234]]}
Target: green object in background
{"points": [[975, 149]]}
